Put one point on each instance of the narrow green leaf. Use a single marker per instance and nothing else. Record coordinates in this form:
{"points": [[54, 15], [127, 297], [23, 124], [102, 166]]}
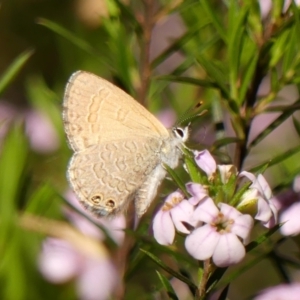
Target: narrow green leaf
{"points": [[217, 114], [283, 108], [275, 82], [159, 88], [80, 43], [121, 58], [211, 13], [185, 65], [193, 169], [224, 142], [287, 181], [296, 125], [237, 19], [278, 159], [215, 278], [287, 111], [189, 80], [279, 47], [290, 56], [13, 265], [167, 285], [247, 266], [137, 258], [216, 73], [277, 8], [177, 44], [13, 70], [296, 13], [13, 159], [296, 79], [44, 202], [262, 238], [248, 75], [177, 180], [127, 12], [169, 270]]}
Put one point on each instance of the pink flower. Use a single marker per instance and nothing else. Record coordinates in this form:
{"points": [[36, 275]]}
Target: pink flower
{"points": [[290, 218], [53, 264], [260, 190], [223, 235], [61, 262], [280, 292], [41, 133], [288, 204], [173, 214], [198, 192], [206, 162]]}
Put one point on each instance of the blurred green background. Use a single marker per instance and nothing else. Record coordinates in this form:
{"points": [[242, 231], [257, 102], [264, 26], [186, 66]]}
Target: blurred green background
{"points": [[42, 42]]}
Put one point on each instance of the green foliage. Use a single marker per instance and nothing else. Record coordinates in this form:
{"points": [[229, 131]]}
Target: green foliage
{"points": [[8, 76], [244, 67]]}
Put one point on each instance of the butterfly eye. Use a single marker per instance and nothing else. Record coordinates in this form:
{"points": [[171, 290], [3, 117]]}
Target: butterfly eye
{"points": [[181, 133], [96, 199]]}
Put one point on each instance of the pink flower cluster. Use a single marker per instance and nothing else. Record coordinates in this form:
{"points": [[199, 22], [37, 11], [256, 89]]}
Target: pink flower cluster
{"points": [[61, 261], [215, 227], [40, 131], [288, 205], [280, 292]]}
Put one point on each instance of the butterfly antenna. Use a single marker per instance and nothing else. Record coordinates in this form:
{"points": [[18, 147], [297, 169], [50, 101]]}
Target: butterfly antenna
{"points": [[188, 119]]}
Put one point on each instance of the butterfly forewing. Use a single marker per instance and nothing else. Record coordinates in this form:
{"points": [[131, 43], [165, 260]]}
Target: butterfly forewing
{"points": [[95, 111]]}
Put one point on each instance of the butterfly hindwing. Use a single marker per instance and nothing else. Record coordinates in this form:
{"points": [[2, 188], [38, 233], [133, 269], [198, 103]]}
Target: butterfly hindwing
{"points": [[108, 176]]}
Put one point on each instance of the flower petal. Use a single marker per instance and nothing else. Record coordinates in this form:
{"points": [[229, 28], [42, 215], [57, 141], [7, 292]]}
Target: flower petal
{"points": [[229, 211], [206, 162], [292, 221], [242, 227], [264, 212], [163, 228], [258, 183], [183, 212], [198, 192], [280, 292], [274, 217], [174, 198], [228, 251], [249, 175], [59, 261], [201, 243], [95, 271], [206, 211], [264, 186]]}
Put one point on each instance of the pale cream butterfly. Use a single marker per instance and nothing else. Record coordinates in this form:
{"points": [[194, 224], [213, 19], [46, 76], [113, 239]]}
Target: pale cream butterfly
{"points": [[119, 147]]}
